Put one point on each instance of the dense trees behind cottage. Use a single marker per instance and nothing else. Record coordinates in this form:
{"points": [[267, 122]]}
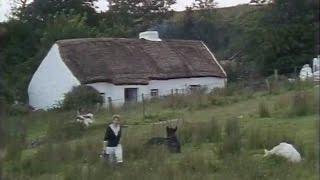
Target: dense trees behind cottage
{"points": [[280, 35]]}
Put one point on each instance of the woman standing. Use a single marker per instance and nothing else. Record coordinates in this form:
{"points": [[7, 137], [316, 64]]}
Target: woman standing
{"points": [[111, 143]]}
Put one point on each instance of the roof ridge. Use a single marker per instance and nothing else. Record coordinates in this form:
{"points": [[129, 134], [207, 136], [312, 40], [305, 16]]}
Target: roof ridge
{"points": [[120, 61], [112, 38]]}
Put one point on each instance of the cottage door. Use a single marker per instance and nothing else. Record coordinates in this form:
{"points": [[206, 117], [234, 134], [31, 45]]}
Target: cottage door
{"points": [[131, 94]]}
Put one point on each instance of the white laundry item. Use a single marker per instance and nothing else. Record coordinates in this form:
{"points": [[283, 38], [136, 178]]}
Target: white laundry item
{"points": [[306, 72], [285, 150], [316, 64], [115, 153], [316, 76]]}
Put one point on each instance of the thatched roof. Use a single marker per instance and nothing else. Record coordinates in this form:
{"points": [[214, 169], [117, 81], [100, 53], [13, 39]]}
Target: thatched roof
{"points": [[136, 61]]}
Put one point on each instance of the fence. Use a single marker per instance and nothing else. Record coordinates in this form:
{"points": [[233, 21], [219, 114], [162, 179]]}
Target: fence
{"points": [[152, 107], [143, 100]]}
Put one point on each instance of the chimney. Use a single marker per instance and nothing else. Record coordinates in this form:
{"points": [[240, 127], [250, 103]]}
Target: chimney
{"points": [[150, 36]]}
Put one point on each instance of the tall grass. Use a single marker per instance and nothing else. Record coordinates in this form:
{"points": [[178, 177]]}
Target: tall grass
{"points": [[232, 139], [302, 103], [210, 149], [210, 131], [60, 130], [264, 110], [15, 138]]}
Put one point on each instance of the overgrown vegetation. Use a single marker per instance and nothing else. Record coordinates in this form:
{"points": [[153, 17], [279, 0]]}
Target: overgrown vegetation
{"points": [[224, 132], [216, 142], [82, 97]]}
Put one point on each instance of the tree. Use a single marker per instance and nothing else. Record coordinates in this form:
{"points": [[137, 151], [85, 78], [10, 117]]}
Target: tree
{"points": [[39, 12], [204, 4], [66, 26], [21, 3], [283, 35], [132, 16], [194, 24], [25, 47]]}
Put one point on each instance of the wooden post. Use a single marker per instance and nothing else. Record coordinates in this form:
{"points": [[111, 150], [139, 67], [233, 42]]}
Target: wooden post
{"points": [[276, 74], [295, 72], [268, 85], [171, 98], [143, 107], [2, 117], [110, 105]]}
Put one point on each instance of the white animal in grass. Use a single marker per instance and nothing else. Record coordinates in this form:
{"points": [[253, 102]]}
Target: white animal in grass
{"points": [[284, 150], [86, 119]]}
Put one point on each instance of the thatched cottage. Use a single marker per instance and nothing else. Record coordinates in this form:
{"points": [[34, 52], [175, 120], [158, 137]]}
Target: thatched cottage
{"points": [[123, 69]]}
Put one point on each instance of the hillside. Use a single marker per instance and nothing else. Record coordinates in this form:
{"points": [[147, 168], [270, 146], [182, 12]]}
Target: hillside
{"points": [[243, 33], [222, 30], [265, 119], [235, 12]]}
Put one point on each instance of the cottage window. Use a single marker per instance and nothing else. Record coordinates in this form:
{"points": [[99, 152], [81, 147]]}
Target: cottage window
{"points": [[194, 87], [103, 95], [154, 92]]}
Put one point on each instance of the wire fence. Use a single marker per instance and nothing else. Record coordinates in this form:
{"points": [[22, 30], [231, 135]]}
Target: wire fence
{"points": [[143, 101], [174, 91]]}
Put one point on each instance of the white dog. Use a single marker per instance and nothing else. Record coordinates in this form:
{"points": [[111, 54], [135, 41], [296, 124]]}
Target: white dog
{"points": [[86, 119], [285, 150]]}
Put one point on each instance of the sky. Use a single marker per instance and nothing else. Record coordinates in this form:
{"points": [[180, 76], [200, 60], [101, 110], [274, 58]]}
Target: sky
{"points": [[181, 4]]}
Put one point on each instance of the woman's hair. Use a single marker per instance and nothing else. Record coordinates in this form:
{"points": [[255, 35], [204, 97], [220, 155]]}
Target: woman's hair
{"points": [[116, 116]]}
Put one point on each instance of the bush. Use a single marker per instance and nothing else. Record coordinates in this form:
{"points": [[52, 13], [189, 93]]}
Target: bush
{"points": [[59, 130], [255, 138], [302, 104], [15, 133], [82, 97], [208, 132], [162, 115], [232, 127], [186, 133], [232, 140], [201, 132], [263, 110], [18, 110], [215, 130]]}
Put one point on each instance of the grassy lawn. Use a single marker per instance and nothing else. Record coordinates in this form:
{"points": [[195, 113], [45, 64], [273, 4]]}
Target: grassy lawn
{"points": [[70, 153]]}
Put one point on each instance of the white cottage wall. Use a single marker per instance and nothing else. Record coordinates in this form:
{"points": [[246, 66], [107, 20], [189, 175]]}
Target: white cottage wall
{"points": [[116, 92], [51, 81]]}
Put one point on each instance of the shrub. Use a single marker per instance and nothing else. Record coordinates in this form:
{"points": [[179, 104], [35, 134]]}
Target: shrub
{"points": [[232, 140], [185, 133], [302, 104], [15, 133], [162, 115], [232, 127], [282, 103], [263, 110], [133, 149], [59, 130], [198, 162], [201, 132], [209, 131], [256, 138], [215, 130], [82, 97], [18, 109]]}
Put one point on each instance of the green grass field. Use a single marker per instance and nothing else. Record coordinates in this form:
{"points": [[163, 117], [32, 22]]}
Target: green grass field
{"points": [[256, 120]]}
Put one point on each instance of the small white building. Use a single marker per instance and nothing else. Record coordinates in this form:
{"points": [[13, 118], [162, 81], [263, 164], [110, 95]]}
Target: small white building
{"points": [[123, 69]]}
